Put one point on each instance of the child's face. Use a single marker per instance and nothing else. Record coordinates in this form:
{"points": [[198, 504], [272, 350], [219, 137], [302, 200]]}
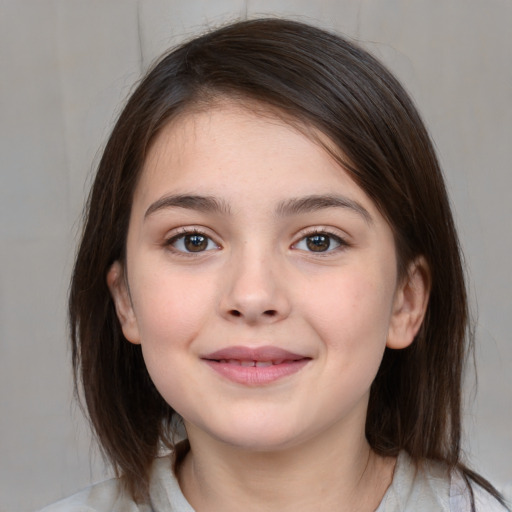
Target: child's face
{"points": [[247, 238]]}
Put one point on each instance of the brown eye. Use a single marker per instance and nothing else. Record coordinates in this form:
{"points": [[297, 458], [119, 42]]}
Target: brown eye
{"points": [[195, 243], [318, 243], [192, 243]]}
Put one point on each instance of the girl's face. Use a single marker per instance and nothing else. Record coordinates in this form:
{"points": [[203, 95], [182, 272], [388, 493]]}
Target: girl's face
{"points": [[261, 282]]}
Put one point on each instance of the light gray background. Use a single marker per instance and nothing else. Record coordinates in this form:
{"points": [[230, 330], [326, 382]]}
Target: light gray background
{"points": [[66, 67]]}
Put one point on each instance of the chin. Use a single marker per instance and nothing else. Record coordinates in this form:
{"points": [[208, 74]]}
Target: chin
{"points": [[259, 436]]}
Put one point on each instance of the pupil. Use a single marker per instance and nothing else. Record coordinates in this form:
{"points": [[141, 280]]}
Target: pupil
{"points": [[318, 243], [196, 243]]}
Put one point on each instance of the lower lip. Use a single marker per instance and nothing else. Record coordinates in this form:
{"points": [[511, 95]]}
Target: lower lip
{"points": [[257, 375]]}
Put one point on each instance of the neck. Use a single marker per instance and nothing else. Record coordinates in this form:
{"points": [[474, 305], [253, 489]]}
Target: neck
{"points": [[315, 476]]}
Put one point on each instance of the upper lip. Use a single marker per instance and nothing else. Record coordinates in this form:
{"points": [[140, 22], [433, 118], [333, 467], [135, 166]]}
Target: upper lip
{"points": [[266, 353]]}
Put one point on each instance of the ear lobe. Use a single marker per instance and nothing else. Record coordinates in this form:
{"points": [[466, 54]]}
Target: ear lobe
{"points": [[120, 294], [410, 305]]}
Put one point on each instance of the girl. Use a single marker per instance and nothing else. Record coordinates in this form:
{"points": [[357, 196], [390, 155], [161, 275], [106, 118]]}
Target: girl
{"points": [[269, 260]]}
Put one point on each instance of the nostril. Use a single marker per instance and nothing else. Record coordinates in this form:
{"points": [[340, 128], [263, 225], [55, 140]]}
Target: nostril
{"points": [[235, 312], [270, 312]]}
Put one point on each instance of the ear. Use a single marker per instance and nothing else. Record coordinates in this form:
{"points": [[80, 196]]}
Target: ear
{"points": [[409, 305], [118, 287]]}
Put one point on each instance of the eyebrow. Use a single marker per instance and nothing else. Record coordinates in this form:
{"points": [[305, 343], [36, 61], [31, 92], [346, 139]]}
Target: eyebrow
{"points": [[313, 203], [207, 204], [294, 206]]}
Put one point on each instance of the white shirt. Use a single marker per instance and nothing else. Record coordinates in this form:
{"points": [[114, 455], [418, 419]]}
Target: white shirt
{"points": [[428, 489]]}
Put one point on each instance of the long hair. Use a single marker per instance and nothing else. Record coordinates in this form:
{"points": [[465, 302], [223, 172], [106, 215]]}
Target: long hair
{"points": [[320, 80]]}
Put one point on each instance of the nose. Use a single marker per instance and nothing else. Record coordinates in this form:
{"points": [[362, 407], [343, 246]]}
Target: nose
{"points": [[254, 291]]}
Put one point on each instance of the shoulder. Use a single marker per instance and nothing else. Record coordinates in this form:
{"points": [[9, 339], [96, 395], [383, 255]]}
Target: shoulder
{"points": [[419, 488], [460, 496], [110, 496], [107, 496], [485, 502], [432, 486]]}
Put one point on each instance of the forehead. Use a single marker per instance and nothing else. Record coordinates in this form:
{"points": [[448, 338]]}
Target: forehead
{"points": [[242, 152], [222, 122]]}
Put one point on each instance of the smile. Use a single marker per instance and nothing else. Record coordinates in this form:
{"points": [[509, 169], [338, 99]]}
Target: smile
{"points": [[255, 367], [259, 364]]}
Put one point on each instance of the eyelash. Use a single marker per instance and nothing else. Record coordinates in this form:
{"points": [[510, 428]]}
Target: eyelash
{"points": [[341, 243], [184, 232]]}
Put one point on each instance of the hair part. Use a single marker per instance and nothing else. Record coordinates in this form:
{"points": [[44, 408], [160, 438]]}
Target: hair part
{"points": [[312, 79]]}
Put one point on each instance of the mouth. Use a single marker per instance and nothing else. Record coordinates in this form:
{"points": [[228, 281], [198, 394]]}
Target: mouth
{"points": [[259, 364], [254, 367]]}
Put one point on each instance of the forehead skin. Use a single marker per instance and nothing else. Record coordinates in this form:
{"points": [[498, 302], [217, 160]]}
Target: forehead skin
{"points": [[181, 132]]}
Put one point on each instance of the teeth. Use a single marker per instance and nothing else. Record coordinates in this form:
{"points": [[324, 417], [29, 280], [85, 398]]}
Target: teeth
{"points": [[264, 363], [260, 364]]}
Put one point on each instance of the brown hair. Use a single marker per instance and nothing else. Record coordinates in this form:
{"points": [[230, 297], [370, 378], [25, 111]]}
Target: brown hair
{"points": [[320, 80]]}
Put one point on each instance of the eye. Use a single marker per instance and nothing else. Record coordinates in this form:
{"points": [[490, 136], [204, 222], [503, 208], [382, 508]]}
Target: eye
{"points": [[192, 243], [319, 242]]}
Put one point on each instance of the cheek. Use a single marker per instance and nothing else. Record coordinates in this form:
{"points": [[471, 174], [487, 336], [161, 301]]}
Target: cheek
{"points": [[349, 314], [352, 311], [169, 305], [171, 311]]}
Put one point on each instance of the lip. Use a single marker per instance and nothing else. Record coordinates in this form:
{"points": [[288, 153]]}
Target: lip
{"points": [[255, 366]]}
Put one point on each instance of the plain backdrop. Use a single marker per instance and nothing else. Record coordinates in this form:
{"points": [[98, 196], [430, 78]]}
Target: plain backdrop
{"points": [[66, 68]]}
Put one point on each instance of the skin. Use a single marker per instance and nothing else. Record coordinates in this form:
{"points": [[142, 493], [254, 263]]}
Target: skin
{"points": [[296, 443]]}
